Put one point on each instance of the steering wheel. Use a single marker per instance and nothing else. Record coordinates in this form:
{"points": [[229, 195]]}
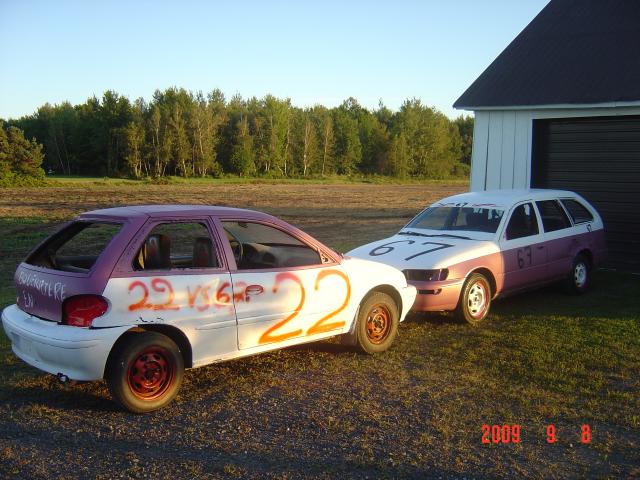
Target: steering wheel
{"points": [[236, 246]]}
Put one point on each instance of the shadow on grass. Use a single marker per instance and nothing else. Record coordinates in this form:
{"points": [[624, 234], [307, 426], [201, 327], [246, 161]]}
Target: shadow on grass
{"points": [[68, 397], [323, 346], [613, 295], [142, 456], [436, 319]]}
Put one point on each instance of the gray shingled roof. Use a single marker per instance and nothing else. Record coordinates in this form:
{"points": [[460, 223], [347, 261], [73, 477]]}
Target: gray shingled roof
{"points": [[573, 52]]}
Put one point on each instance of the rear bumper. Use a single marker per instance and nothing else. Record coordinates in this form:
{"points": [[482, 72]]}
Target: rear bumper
{"points": [[78, 353], [437, 296]]}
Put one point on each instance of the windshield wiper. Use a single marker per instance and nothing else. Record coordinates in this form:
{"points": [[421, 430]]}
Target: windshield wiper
{"points": [[434, 235], [416, 234], [451, 236]]}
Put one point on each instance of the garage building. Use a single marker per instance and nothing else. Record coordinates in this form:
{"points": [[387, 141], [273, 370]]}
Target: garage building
{"points": [[560, 108]]}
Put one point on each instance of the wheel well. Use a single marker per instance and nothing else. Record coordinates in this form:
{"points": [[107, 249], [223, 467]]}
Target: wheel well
{"points": [[173, 333], [389, 290], [588, 255], [489, 276]]}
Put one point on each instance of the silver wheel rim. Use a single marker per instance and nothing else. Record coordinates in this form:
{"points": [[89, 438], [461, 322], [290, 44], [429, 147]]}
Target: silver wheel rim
{"points": [[477, 299], [580, 275]]}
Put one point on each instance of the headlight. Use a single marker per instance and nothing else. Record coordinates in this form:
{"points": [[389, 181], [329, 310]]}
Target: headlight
{"points": [[426, 275]]}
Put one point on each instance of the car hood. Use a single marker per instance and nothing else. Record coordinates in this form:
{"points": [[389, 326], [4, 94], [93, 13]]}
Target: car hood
{"points": [[409, 252]]}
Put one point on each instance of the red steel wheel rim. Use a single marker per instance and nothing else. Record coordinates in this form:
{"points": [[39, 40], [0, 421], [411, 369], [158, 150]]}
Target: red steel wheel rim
{"points": [[378, 324], [151, 373]]}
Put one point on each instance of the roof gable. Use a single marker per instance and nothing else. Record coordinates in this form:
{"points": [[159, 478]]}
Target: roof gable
{"points": [[572, 52]]}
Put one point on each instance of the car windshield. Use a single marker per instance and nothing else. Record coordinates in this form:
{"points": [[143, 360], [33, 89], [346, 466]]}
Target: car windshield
{"points": [[459, 218]]}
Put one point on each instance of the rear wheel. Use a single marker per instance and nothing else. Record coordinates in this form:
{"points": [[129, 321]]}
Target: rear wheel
{"points": [[579, 276], [377, 323], [145, 372], [475, 299]]}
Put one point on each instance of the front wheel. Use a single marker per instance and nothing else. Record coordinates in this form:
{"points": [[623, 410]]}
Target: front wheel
{"points": [[377, 323], [475, 299], [145, 372]]}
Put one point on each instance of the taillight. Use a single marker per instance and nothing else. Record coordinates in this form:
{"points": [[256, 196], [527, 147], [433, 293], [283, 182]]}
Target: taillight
{"points": [[81, 310]]}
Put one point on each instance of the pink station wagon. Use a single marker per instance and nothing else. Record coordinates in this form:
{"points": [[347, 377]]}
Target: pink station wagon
{"points": [[136, 294], [465, 250]]}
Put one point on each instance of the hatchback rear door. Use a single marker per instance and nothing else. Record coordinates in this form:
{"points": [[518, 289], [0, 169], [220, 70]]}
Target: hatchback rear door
{"points": [[75, 260]]}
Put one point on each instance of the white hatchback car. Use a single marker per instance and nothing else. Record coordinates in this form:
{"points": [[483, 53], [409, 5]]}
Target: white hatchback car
{"points": [[136, 294], [464, 250]]}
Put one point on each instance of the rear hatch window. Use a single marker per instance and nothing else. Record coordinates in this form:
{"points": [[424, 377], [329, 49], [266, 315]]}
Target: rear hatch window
{"points": [[76, 247]]}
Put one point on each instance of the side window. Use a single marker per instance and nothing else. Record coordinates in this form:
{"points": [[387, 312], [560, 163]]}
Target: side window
{"points": [[523, 222], [259, 246], [578, 212], [177, 245], [553, 216]]}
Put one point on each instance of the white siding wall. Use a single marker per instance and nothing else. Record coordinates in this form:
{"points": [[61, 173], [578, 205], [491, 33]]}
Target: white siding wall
{"points": [[501, 155]]}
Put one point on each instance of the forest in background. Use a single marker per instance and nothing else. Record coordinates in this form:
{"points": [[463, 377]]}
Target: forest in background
{"points": [[188, 134]]}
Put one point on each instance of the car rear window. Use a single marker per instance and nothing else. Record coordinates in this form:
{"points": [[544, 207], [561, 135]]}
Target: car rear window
{"points": [[578, 212], [76, 247]]}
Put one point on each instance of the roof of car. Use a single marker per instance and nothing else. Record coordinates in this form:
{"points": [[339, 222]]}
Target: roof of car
{"points": [[505, 198], [182, 211]]}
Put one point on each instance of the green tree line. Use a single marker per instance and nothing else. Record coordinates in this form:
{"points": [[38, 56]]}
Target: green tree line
{"points": [[188, 134]]}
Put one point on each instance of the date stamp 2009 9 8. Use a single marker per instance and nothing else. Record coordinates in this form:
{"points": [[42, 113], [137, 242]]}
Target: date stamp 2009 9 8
{"points": [[512, 433]]}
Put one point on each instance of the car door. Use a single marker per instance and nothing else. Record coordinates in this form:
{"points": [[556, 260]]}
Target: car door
{"points": [[560, 238], [282, 287], [524, 252], [174, 277]]}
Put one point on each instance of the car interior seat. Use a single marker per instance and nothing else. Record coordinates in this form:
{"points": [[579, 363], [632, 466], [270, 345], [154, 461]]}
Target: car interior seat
{"points": [[155, 254], [203, 253]]}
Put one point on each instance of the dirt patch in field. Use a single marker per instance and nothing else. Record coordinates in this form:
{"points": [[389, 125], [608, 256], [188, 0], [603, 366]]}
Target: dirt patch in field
{"points": [[331, 213]]}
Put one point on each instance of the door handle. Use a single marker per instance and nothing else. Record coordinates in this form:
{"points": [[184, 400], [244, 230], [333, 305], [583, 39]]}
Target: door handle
{"points": [[253, 290], [540, 247]]}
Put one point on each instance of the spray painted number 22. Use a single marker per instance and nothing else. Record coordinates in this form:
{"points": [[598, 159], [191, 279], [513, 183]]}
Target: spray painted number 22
{"points": [[321, 325], [387, 248]]}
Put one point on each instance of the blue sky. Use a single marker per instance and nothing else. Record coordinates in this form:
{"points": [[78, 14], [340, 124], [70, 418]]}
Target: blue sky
{"points": [[312, 52]]}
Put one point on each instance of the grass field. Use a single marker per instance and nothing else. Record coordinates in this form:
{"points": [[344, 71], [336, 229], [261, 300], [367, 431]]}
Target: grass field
{"points": [[321, 410]]}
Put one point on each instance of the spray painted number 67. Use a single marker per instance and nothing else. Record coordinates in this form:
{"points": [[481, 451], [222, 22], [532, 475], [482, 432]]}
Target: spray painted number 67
{"points": [[387, 248], [524, 257]]}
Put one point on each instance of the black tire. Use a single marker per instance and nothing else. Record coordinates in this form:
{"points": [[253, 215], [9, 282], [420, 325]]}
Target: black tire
{"points": [[145, 372], [377, 323], [475, 299], [579, 277]]}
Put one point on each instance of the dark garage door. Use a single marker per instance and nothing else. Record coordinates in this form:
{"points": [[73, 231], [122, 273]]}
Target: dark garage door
{"points": [[600, 159]]}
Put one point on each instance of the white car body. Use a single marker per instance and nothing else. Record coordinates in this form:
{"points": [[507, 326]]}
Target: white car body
{"points": [[510, 264], [219, 315]]}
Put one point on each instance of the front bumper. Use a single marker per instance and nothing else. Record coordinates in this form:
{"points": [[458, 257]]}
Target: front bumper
{"points": [[78, 353], [437, 296], [408, 295]]}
